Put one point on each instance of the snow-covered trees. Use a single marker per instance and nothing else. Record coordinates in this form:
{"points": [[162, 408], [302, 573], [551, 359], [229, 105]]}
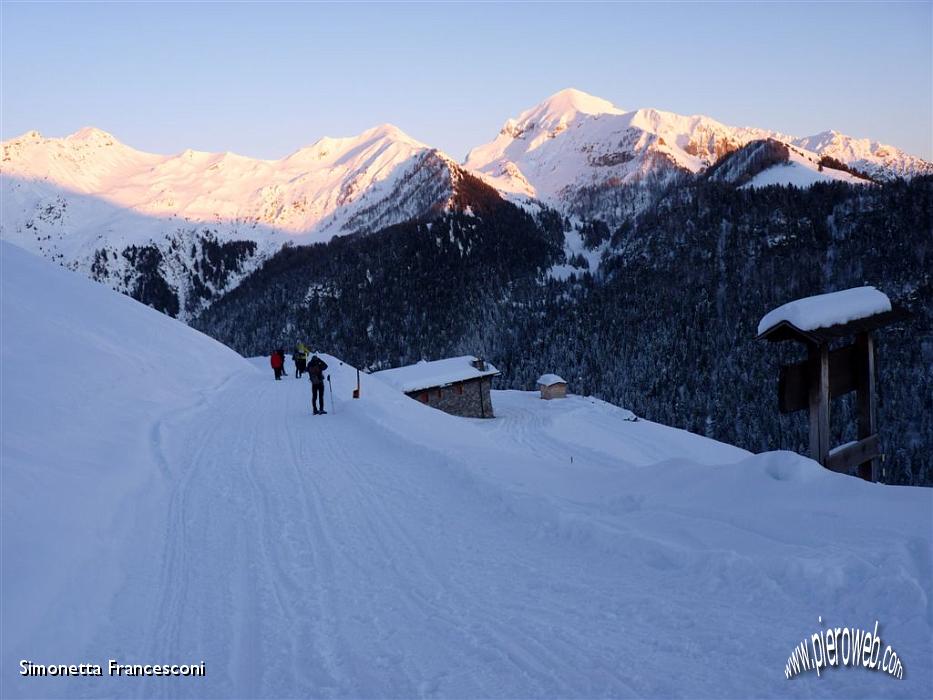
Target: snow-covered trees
{"points": [[666, 328]]}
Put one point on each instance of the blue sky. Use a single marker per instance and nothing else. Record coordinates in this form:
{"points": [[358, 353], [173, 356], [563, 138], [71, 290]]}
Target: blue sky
{"points": [[266, 79]]}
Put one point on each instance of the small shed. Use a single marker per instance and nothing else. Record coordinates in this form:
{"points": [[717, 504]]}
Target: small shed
{"points": [[460, 386], [552, 386], [822, 324]]}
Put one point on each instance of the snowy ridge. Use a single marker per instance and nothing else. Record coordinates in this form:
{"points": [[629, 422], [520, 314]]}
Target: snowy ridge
{"points": [[573, 140], [315, 190], [178, 231], [802, 170], [166, 501], [769, 162], [876, 159], [91, 202]]}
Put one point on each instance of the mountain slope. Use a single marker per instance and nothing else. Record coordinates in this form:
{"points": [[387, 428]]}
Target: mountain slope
{"points": [[876, 159], [414, 288], [191, 225], [179, 505], [770, 162], [90, 379], [573, 141], [315, 190]]}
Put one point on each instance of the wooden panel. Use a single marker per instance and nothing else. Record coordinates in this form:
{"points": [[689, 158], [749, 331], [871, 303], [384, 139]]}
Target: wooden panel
{"points": [[793, 382], [868, 470], [818, 368], [793, 391], [864, 450]]}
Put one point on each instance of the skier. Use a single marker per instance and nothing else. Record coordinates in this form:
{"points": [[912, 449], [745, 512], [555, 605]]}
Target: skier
{"points": [[277, 360], [300, 356], [316, 367], [282, 354]]}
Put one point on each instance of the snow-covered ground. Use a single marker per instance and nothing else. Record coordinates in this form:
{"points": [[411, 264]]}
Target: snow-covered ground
{"points": [[801, 171], [165, 501]]}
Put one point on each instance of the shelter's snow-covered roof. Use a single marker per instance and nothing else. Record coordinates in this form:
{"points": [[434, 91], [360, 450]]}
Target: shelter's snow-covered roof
{"points": [[425, 375], [825, 310], [551, 379]]}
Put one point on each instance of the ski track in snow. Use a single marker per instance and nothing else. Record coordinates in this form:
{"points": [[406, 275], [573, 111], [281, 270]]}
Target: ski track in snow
{"points": [[304, 565], [302, 561]]}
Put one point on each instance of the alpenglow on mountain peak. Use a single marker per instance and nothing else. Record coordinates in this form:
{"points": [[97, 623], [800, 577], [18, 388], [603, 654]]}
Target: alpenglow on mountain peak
{"points": [[572, 147], [92, 134], [574, 142], [557, 111]]}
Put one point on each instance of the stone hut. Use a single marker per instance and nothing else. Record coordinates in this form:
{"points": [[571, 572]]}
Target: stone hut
{"points": [[460, 386], [552, 386]]}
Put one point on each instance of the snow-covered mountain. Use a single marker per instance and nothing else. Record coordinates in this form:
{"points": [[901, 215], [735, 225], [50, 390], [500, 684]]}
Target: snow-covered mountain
{"points": [[200, 221], [335, 185], [178, 231], [878, 160], [165, 501], [768, 162], [573, 141]]}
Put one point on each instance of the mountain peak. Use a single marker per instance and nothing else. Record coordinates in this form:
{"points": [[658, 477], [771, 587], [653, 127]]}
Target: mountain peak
{"points": [[571, 100], [389, 132], [32, 136], [557, 111], [93, 135], [381, 134]]}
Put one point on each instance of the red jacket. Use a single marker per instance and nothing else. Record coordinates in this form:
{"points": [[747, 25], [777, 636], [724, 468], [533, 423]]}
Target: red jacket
{"points": [[276, 360]]}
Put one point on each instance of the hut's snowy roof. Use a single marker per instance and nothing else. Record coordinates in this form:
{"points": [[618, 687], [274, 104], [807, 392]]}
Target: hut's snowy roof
{"points": [[426, 375], [825, 310], [550, 379]]}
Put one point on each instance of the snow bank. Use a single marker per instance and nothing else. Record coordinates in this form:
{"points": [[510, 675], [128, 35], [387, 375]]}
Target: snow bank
{"points": [[824, 310], [88, 376], [425, 375]]}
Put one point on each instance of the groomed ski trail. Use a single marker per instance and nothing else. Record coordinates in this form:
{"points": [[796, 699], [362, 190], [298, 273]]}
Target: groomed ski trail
{"points": [[332, 556], [302, 560]]}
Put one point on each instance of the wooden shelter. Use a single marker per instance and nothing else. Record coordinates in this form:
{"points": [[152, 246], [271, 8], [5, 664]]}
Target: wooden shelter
{"points": [[829, 372], [552, 386]]}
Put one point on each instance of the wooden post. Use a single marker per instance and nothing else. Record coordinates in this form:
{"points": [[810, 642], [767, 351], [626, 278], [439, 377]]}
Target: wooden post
{"points": [[865, 396], [818, 359], [823, 376]]}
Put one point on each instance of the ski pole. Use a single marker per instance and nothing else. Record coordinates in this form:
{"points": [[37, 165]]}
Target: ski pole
{"points": [[333, 407]]}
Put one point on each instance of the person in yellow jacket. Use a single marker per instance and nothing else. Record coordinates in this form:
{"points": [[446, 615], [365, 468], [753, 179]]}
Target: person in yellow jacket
{"points": [[300, 356]]}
